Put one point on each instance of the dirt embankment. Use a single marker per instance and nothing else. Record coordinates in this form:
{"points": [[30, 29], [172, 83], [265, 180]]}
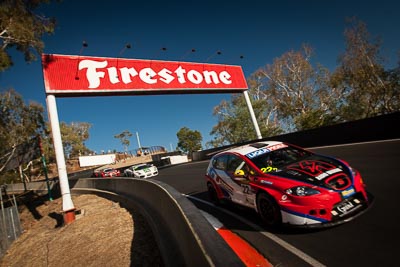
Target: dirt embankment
{"points": [[104, 234]]}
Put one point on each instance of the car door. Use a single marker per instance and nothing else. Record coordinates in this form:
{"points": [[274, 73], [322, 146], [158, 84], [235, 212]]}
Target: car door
{"points": [[129, 172], [231, 173], [239, 173]]}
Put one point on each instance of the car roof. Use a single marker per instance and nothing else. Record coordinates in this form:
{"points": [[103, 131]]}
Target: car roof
{"points": [[249, 148], [141, 164]]}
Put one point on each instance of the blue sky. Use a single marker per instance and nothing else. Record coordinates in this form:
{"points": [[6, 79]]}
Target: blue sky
{"points": [[257, 30]]}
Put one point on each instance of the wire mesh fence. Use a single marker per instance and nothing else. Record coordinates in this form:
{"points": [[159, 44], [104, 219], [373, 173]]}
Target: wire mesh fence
{"points": [[10, 224]]}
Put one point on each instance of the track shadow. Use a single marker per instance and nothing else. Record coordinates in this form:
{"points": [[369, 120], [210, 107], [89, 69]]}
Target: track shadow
{"points": [[144, 248], [32, 201], [222, 213], [58, 217]]}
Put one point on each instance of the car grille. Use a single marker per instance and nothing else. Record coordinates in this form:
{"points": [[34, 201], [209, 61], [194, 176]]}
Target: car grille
{"points": [[348, 206]]}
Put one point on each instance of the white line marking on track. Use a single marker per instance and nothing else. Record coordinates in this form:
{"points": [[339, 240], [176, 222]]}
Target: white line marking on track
{"points": [[310, 260]]}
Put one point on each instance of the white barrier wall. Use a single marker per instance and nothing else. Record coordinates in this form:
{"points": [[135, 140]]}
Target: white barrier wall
{"points": [[86, 161], [178, 159]]}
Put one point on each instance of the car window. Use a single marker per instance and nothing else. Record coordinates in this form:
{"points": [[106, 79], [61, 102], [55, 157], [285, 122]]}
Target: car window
{"points": [[142, 167], [276, 159], [220, 162], [238, 168], [234, 163]]}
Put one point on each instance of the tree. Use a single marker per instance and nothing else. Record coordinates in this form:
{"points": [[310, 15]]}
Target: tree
{"points": [[263, 105], [21, 28], [392, 97], [290, 94], [124, 138], [19, 122], [300, 91], [235, 124], [188, 140], [74, 136], [369, 90]]}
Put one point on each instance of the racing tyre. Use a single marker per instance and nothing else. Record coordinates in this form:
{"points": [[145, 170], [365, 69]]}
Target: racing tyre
{"points": [[212, 194], [269, 210]]}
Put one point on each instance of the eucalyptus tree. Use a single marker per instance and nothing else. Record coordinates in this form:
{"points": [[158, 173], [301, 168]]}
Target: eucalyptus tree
{"points": [[369, 89], [124, 138], [19, 122], [189, 140], [288, 95], [299, 91], [73, 137], [234, 122], [22, 28]]}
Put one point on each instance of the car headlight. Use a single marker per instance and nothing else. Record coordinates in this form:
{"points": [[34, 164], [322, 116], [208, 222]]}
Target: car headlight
{"points": [[302, 191], [354, 172]]}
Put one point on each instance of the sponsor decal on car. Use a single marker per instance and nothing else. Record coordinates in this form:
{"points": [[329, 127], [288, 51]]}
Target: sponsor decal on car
{"points": [[226, 186], [346, 206], [213, 174], [327, 173], [315, 168], [264, 150], [266, 182], [257, 153], [348, 192], [276, 147]]}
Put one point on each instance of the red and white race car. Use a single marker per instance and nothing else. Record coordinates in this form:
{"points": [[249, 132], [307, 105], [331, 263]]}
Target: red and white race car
{"points": [[287, 184], [107, 172]]}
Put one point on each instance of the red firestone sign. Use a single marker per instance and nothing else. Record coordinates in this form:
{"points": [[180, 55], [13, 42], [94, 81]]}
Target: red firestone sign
{"points": [[66, 75]]}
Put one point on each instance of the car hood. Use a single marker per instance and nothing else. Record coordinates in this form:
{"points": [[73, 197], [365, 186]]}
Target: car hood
{"points": [[320, 171], [144, 170]]}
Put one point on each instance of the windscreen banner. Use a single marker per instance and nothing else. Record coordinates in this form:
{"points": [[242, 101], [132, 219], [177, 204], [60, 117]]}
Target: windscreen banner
{"points": [[67, 75]]}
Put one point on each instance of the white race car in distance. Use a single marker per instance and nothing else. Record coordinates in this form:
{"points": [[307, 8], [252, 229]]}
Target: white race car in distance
{"points": [[143, 170]]}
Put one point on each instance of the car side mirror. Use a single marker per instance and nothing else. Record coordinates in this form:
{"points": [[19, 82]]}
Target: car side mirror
{"points": [[239, 173]]}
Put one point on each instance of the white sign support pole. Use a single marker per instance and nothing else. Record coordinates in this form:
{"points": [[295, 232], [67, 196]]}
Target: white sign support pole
{"points": [[68, 206], [253, 117], [138, 140]]}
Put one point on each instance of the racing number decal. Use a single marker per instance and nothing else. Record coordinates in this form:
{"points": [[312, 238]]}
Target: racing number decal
{"points": [[268, 169], [246, 189]]}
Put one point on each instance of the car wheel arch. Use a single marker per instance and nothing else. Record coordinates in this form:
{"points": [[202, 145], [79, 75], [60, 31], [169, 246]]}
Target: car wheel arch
{"points": [[212, 193], [268, 209]]}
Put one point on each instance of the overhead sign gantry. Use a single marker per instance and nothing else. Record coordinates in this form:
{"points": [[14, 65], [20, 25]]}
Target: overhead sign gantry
{"points": [[76, 76], [68, 75]]}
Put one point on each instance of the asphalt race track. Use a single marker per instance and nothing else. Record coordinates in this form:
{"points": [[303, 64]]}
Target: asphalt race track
{"points": [[368, 240]]}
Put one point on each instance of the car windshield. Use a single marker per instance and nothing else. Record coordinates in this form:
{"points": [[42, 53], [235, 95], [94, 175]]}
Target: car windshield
{"points": [[274, 160], [142, 167]]}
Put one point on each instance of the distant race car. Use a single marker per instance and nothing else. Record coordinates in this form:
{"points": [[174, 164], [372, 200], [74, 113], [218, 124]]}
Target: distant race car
{"points": [[287, 185], [143, 170], [107, 172]]}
